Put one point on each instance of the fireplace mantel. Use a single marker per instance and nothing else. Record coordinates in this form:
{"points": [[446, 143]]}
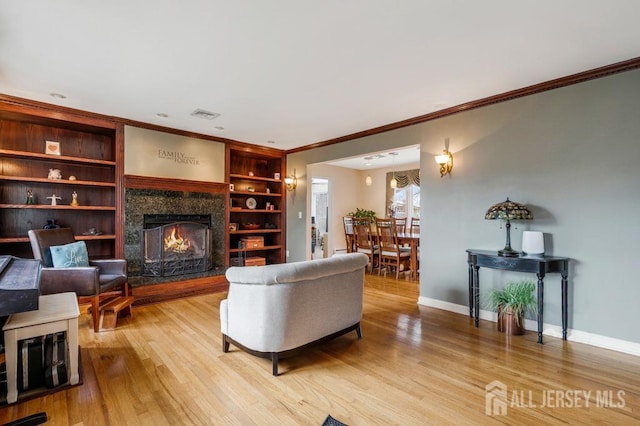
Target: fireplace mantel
{"points": [[148, 182]]}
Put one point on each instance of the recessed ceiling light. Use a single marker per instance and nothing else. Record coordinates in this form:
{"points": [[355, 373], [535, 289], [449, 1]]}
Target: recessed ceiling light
{"points": [[367, 164], [272, 142], [162, 115], [207, 115], [57, 95], [219, 128]]}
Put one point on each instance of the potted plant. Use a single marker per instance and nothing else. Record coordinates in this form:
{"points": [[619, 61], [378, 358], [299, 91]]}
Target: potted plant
{"points": [[362, 213], [512, 303]]}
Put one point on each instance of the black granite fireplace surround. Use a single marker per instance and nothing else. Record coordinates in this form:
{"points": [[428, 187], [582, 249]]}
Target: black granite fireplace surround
{"points": [[139, 202]]}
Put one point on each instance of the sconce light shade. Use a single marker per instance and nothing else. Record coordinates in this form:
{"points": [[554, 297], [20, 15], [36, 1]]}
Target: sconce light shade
{"points": [[445, 160], [508, 211], [291, 181], [368, 181], [393, 183]]}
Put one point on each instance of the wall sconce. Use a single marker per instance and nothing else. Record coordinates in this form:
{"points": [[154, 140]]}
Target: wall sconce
{"points": [[291, 181], [445, 160], [368, 181]]}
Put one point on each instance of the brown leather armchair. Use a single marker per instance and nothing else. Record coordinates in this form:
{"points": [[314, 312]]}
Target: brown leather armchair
{"points": [[103, 279]]}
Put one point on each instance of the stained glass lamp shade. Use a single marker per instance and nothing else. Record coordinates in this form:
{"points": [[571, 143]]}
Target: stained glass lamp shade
{"points": [[508, 211]]}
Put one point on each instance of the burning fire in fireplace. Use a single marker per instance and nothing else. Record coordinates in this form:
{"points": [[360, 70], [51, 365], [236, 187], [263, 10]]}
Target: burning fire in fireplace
{"points": [[175, 242]]}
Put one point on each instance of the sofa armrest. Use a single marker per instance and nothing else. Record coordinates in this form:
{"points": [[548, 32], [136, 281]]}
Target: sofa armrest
{"points": [[111, 266], [81, 280]]}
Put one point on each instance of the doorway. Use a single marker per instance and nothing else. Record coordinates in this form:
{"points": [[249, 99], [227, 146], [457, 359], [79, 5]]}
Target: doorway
{"points": [[319, 217]]}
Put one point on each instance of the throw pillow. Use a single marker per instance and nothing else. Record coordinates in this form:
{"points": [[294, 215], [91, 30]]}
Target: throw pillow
{"points": [[70, 255]]}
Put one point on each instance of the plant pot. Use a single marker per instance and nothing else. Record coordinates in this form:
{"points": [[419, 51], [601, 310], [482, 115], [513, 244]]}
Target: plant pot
{"points": [[508, 324]]}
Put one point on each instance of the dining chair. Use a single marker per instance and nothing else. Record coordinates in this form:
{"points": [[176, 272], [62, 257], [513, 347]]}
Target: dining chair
{"points": [[401, 224], [366, 241], [392, 255], [414, 225], [349, 236]]}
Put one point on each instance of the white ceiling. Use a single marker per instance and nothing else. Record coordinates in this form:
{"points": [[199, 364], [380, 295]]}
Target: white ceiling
{"points": [[381, 159], [299, 72]]}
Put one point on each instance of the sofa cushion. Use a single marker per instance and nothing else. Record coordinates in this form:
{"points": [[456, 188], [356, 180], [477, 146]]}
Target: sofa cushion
{"points": [[69, 255]]}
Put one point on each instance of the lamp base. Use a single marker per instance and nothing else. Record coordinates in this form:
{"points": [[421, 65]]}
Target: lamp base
{"points": [[508, 252]]}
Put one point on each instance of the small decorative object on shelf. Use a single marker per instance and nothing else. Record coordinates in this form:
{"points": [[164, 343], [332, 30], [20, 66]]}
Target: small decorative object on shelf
{"points": [[29, 196], [232, 187], [51, 224], [92, 231], [251, 189], [268, 191], [276, 176], [250, 173], [74, 199], [72, 177], [51, 147], [54, 174], [54, 199], [233, 226]]}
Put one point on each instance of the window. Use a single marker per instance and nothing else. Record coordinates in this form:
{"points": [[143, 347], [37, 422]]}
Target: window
{"points": [[406, 201]]}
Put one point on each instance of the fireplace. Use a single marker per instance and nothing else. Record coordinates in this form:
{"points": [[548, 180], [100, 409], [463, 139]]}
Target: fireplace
{"points": [[176, 244]]}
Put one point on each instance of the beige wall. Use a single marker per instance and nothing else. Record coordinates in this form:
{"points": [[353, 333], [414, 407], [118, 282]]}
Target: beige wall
{"points": [[166, 155]]}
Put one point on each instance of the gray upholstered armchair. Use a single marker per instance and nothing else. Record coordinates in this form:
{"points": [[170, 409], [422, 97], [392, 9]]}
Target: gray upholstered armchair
{"points": [[102, 279]]}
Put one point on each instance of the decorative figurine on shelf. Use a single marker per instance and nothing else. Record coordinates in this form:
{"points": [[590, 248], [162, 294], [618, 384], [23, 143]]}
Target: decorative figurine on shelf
{"points": [[54, 199], [55, 174], [51, 224], [72, 177], [29, 196], [74, 201]]}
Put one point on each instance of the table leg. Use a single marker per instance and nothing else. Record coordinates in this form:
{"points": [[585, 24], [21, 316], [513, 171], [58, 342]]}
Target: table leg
{"points": [[72, 340], [414, 260], [565, 285], [476, 294], [11, 358], [471, 290], [540, 305]]}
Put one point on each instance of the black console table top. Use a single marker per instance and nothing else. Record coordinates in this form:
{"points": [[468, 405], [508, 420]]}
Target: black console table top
{"points": [[539, 265]]}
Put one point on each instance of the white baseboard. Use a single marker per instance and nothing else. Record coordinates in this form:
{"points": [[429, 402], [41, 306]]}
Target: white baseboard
{"points": [[578, 336]]}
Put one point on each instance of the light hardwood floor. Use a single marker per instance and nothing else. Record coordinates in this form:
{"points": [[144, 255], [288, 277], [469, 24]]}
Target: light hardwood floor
{"points": [[414, 365]]}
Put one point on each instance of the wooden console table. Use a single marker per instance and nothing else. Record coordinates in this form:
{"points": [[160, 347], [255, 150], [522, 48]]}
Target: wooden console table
{"points": [[540, 265]]}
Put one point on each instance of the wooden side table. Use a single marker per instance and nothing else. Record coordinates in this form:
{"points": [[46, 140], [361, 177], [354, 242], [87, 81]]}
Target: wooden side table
{"points": [[56, 312]]}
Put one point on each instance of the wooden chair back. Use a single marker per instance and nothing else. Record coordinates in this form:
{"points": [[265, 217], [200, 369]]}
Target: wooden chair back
{"points": [[349, 235], [414, 226]]}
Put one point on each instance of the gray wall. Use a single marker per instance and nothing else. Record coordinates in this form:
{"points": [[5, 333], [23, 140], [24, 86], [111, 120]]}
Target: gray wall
{"points": [[571, 154]]}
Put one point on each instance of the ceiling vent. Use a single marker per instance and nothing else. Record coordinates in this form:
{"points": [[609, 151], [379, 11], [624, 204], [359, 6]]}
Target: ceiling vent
{"points": [[200, 113]]}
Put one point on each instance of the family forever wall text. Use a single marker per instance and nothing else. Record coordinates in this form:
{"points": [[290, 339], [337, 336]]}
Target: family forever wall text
{"points": [[177, 157]]}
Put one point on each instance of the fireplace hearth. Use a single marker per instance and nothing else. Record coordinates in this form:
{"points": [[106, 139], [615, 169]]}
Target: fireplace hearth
{"points": [[174, 245]]}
